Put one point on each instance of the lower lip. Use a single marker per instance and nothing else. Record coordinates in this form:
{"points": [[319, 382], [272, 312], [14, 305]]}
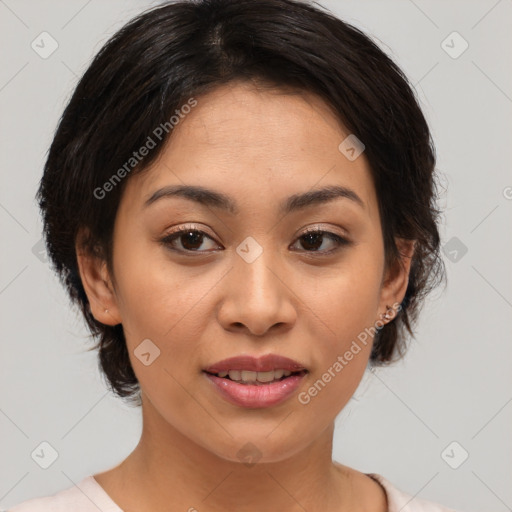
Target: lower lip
{"points": [[254, 396]]}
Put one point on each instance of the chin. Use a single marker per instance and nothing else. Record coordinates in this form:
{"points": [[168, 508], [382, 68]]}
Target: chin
{"points": [[250, 450]]}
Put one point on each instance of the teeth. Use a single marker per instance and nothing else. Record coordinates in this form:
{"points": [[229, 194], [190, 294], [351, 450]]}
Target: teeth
{"points": [[234, 374], [266, 376], [247, 376]]}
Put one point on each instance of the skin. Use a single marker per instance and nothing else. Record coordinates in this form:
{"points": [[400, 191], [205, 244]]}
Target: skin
{"points": [[259, 147]]}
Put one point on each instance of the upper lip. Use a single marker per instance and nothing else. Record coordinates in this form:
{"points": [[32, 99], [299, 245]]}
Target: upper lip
{"points": [[264, 363]]}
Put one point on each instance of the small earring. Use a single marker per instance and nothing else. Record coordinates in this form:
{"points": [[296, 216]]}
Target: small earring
{"points": [[106, 310], [385, 315]]}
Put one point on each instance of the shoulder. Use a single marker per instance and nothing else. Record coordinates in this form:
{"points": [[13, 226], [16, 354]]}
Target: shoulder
{"points": [[403, 502], [86, 496]]}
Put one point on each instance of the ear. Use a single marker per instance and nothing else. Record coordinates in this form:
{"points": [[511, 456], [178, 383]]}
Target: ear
{"points": [[98, 285], [395, 280]]}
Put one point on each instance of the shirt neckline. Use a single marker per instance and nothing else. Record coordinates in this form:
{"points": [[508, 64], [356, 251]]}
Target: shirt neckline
{"points": [[99, 495], [384, 484], [107, 504]]}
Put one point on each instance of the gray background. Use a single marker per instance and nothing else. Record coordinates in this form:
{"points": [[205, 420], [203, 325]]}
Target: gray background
{"points": [[454, 384]]}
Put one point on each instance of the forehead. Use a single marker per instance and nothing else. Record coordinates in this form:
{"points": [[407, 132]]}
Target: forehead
{"points": [[267, 123], [248, 141]]}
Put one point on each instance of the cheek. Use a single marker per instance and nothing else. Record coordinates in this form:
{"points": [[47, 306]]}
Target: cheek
{"points": [[347, 299], [155, 294], [346, 304], [342, 358]]}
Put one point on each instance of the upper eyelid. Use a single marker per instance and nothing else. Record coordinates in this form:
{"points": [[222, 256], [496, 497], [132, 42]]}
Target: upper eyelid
{"points": [[188, 227], [323, 230], [314, 229]]}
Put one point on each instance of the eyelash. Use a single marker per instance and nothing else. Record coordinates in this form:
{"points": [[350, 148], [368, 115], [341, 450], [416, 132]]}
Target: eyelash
{"points": [[171, 237]]}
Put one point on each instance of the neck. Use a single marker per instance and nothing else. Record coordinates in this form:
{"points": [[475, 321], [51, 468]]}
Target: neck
{"points": [[167, 468]]}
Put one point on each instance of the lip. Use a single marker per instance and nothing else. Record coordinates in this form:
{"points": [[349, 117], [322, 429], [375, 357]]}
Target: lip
{"points": [[254, 396], [264, 363]]}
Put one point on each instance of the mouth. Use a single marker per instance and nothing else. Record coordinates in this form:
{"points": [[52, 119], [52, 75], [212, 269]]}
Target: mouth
{"points": [[248, 377], [253, 382]]}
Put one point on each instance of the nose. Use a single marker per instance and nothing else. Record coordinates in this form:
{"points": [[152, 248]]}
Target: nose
{"points": [[257, 297]]}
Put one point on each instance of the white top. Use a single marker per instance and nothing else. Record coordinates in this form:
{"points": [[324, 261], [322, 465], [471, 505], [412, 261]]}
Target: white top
{"points": [[89, 496]]}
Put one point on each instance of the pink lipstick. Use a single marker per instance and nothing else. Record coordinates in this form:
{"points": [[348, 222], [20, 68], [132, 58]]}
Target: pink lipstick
{"points": [[252, 382]]}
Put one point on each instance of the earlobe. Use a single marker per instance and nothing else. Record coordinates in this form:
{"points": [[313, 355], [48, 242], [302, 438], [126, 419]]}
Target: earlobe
{"points": [[396, 280], [98, 287]]}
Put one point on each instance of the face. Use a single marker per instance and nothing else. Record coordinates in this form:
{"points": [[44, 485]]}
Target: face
{"points": [[249, 281]]}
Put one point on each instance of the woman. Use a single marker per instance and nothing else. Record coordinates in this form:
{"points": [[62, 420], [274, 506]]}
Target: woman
{"points": [[240, 198]]}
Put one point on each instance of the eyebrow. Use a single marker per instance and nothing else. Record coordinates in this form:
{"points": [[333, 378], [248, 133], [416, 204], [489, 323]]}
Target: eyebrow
{"points": [[214, 199]]}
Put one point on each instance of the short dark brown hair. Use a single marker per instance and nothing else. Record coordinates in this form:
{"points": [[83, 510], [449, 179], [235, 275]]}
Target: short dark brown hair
{"points": [[168, 54]]}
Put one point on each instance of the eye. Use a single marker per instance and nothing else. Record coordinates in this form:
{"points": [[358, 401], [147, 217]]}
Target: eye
{"points": [[314, 239], [189, 238]]}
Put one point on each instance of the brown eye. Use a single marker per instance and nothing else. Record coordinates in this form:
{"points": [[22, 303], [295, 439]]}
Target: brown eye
{"points": [[190, 240], [313, 240]]}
